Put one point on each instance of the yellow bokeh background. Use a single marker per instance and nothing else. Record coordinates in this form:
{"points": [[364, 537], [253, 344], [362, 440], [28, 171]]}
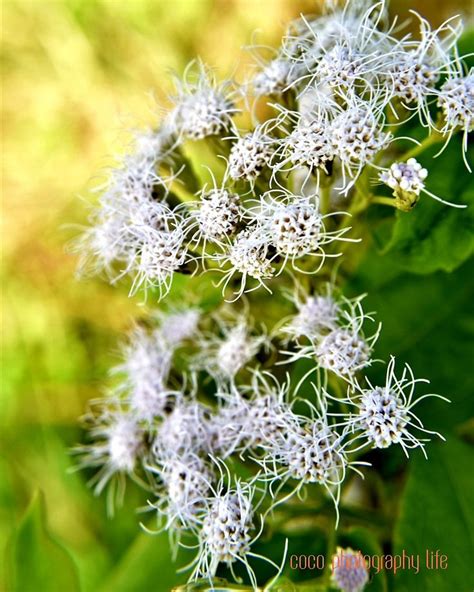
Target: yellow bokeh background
{"points": [[76, 73]]}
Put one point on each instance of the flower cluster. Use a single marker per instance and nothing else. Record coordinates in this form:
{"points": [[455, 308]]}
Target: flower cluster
{"points": [[179, 446], [346, 85], [209, 409]]}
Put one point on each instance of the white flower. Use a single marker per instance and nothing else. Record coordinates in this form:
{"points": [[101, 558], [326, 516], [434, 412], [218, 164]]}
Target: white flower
{"points": [[124, 440], [227, 424], [418, 65], [225, 357], [306, 450], [184, 430], [217, 215], [407, 181], [186, 487], [343, 351], [349, 570], [160, 254], [149, 146], [264, 413], [273, 78], [384, 414], [226, 527], [133, 231], [267, 416], [413, 76], [313, 454], [117, 444], [340, 66], [456, 99], [317, 314], [226, 532], [340, 47], [179, 326], [250, 255], [357, 136], [309, 144], [250, 155], [203, 108], [147, 361], [296, 229], [294, 226], [100, 246], [237, 349], [126, 205]]}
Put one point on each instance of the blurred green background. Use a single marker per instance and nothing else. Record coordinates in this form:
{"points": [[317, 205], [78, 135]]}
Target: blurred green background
{"points": [[75, 73]]}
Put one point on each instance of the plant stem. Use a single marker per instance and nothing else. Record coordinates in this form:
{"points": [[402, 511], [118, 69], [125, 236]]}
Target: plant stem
{"points": [[387, 201], [325, 199], [433, 138]]}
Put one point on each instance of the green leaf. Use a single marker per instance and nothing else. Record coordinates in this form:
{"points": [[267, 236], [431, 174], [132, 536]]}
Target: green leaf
{"points": [[38, 561], [465, 45], [218, 585], [148, 565], [425, 319], [286, 585], [436, 514], [435, 236]]}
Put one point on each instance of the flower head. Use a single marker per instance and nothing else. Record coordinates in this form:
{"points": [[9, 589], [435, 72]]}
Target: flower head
{"points": [[309, 144], [249, 255], [341, 347], [147, 361], [250, 155], [226, 533], [236, 350], [179, 326], [349, 570], [456, 99], [186, 486], [294, 227], [160, 253], [306, 450], [185, 430], [357, 136], [224, 357], [312, 453], [203, 108], [217, 215], [317, 314], [413, 76], [125, 209], [116, 446], [273, 78], [384, 414], [343, 351]]}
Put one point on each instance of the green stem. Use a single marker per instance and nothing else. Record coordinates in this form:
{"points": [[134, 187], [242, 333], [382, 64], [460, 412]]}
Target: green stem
{"points": [[329, 553], [433, 138], [325, 199], [387, 201]]}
